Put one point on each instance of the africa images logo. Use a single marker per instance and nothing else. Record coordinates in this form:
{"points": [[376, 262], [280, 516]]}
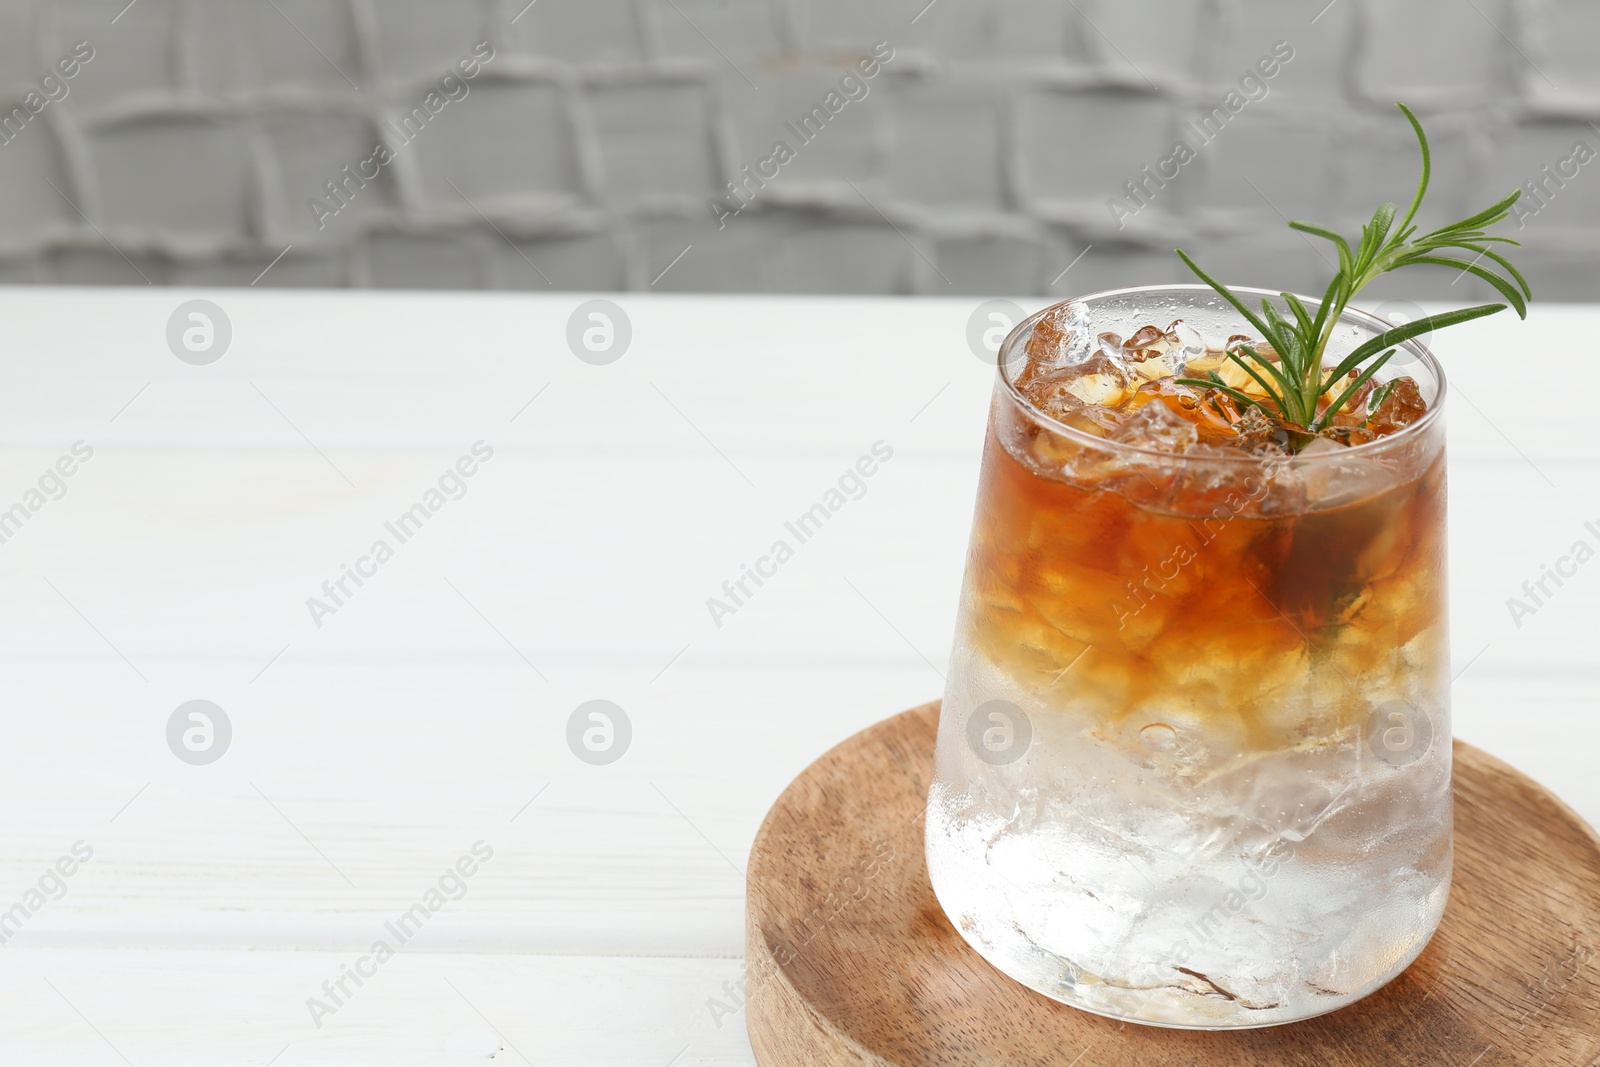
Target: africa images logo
{"points": [[452, 485], [852, 87], [453, 87]]}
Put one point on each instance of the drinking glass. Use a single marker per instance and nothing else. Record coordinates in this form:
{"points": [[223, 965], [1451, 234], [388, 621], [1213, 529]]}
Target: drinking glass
{"points": [[1193, 760]]}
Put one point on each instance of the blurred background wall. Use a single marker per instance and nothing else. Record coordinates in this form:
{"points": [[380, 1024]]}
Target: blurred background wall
{"points": [[987, 155]]}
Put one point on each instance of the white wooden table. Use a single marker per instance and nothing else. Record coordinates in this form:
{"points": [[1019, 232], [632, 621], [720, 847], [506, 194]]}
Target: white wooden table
{"points": [[429, 711]]}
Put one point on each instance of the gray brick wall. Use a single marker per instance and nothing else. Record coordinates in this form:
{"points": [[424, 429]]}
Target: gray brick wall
{"points": [[983, 158]]}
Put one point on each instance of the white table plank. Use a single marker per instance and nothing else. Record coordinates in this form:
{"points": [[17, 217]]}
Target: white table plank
{"points": [[421, 1008]]}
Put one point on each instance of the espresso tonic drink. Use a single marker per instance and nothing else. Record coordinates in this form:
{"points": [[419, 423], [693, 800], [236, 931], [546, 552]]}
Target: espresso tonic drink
{"points": [[1194, 755]]}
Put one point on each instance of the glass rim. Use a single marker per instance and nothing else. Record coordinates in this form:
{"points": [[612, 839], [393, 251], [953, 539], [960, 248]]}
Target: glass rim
{"points": [[1024, 330]]}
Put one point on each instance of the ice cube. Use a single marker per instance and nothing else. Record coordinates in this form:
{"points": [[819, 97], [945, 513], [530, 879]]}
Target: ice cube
{"points": [[1180, 398], [1114, 352], [1063, 337], [1093, 419], [1400, 407], [1258, 432], [1235, 376], [1204, 362], [1099, 381], [1348, 435], [1185, 336], [1329, 480], [1186, 403], [1322, 446], [1144, 354], [1143, 338], [1353, 413], [1158, 427], [1261, 348], [1151, 369], [1180, 344]]}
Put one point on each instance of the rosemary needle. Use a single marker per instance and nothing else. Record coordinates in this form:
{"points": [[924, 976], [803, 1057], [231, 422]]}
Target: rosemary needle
{"points": [[1297, 379]]}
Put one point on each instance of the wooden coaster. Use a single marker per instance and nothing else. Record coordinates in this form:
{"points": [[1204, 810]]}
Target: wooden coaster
{"points": [[850, 961]]}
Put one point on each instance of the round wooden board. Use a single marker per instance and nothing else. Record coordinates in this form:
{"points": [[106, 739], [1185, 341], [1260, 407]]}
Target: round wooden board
{"points": [[849, 959]]}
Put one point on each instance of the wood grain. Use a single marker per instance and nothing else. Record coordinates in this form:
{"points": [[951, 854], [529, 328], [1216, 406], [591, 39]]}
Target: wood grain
{"points": [[851, 961]]}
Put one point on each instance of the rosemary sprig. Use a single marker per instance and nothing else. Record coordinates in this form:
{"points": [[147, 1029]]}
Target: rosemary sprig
{"points": [[1297, 379]]}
